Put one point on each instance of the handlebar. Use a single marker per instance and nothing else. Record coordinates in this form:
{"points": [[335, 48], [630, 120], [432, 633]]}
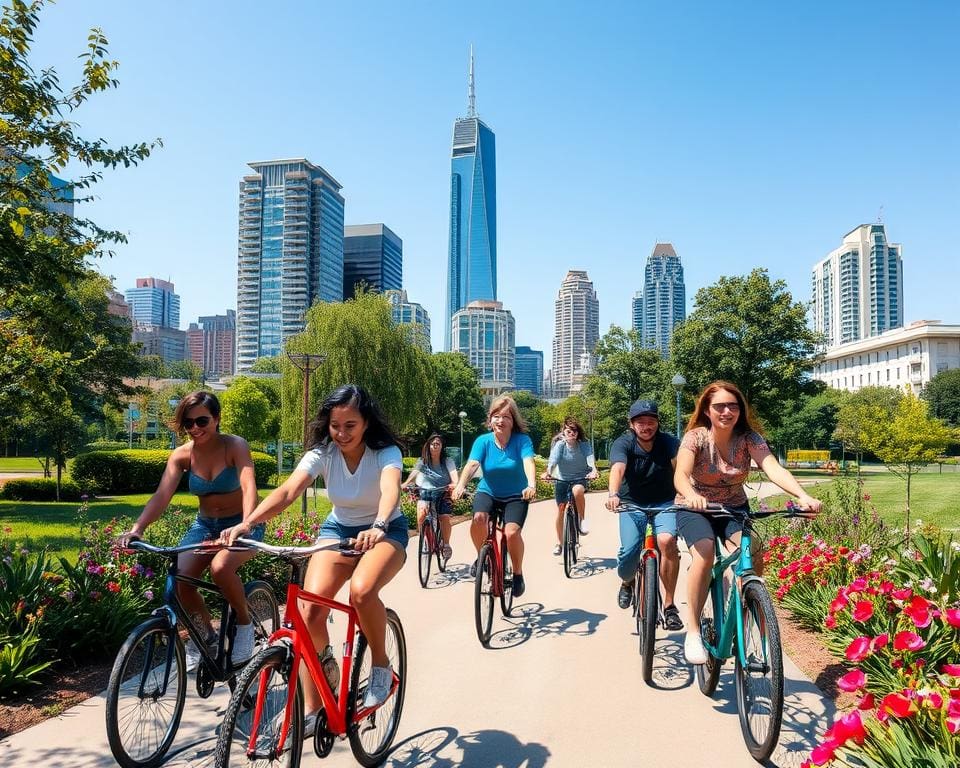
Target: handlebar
{"points": [[140, 545], [721, 511], [344, 546]]}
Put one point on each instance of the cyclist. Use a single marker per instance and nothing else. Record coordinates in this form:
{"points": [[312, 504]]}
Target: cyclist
{"points": [[220, 472], [642, 462], [712, 465], [355, 451], [434, 474], [505, 455], [571, 462]]}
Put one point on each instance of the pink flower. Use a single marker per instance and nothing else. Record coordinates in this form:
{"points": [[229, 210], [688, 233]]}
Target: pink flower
{"points": [[918, 610], [950, 669], [839, 603], [850, 726], [830, 622], [824, 752], [898, 705], [858, 649], [901, 594], [852, 681], [953, 616], [867, 702], [908, 641], [862, 611], [858, 585], [880, 641]]}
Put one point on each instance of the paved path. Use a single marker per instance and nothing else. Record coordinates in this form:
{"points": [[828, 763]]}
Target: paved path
{"points": [[560, 687]]}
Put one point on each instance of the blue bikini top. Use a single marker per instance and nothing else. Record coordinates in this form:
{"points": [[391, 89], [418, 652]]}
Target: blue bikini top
{"points": [[226, 482]]}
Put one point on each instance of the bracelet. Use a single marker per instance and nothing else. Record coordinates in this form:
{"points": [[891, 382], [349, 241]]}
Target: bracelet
{"points": [[380, 525]]}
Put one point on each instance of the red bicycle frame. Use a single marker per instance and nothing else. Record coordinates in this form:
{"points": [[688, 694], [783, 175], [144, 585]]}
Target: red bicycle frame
{"points": [[496, 538]]}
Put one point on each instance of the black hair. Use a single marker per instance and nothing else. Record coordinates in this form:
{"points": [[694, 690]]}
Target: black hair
{"points": [[378, 434]]}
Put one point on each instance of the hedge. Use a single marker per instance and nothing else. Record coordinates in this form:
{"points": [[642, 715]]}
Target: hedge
{"points": [[39, 489], [105, 445], [138, 471]]}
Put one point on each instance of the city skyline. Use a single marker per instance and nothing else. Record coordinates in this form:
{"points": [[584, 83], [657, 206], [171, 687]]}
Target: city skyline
{"points": [[695, 138]]}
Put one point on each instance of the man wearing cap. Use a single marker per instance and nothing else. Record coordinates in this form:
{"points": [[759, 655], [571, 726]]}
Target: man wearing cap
{"points": [[642, 463]]}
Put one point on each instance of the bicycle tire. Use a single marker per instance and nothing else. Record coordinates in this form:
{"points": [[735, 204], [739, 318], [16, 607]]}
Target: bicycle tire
{"points": [[438, 549], [506, 579], [371, 739], [234, 737], [425, 552], [264, 611], [133, 742], [708, 674], [648, 630], [569, 542], [760, 685], [483, 596]]}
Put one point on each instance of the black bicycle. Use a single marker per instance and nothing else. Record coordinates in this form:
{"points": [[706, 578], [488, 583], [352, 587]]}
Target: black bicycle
{"points": [[571, 527], [148, 683], [431, 535]]}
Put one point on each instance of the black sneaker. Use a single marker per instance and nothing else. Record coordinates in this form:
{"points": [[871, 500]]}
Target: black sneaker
{"points": [[671, 619], [625, 595], [518, 586]]}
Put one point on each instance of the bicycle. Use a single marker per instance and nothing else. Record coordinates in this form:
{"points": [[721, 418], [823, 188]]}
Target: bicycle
{"points": [[745, 628], [431, 538], [266, 708], [494, 578], [147, 688], [571, 528]]}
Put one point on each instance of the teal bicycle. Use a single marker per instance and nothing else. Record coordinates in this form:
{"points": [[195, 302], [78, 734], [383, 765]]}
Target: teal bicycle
{"points": [[741, 623]]}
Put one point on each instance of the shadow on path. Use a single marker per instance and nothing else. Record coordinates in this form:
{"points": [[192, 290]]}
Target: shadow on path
{"points": [[585, 567], [445, 748], [531, 620]]}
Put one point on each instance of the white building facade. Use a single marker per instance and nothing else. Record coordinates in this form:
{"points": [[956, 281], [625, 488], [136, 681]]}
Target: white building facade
{"points": [[485, 332], [898, 358]]}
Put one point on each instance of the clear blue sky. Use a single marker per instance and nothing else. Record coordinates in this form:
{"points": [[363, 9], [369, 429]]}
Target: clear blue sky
{"points": [[747, 134]]}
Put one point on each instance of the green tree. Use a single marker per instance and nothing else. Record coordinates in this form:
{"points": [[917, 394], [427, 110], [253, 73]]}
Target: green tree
{"points": [[530, 408], [245, 411], [43, 248], [943, 394], [810, 422], [266, 365], [909, 441], [750, 331], [860, 414], [457, 388], [361, 345], [187, 370]]}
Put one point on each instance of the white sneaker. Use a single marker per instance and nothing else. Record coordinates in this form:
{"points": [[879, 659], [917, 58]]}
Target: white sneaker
{"points": [[584, 527], [693, 649], [557, 549], [242, 644], [192, 654], [378, 687], [309, 728]]}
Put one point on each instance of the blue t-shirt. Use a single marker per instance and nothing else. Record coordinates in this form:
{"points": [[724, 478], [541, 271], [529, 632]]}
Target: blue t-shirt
{"points": [[503, 473]]}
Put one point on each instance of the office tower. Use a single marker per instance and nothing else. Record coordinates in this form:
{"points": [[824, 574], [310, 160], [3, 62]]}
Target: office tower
{"points": [[153, 302], [576, 329], [412, 315], [290, 253], [636, 313], [858, 288], [472, 262], [373, 256], [484, 331], [528, 370], [664, 298], [211, 342], [170, 344]]}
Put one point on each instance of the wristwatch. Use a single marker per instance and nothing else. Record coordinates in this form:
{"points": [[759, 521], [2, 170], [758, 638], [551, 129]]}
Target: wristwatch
{"points": [[380, 525]]}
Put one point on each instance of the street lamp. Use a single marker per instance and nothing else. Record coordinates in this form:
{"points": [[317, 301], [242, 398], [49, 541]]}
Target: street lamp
{"points": [[173, 402], [678, 383], [306, 362], [462, 415], [590, 411]]}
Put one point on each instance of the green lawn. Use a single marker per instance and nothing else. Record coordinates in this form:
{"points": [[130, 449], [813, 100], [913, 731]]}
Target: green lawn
{"points": [[20, 464]]}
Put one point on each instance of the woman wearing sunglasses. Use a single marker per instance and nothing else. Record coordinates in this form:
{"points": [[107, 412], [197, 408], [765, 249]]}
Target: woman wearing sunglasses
{"points": [[712, 465], [220, 472]]}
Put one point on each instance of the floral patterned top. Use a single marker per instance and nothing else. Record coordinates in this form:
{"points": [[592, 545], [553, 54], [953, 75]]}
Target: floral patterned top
{"points": [[719, 479]]}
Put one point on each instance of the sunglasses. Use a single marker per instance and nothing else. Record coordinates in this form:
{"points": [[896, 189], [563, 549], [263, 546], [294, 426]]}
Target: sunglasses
{"points": [[200, 421], [721, 407]]}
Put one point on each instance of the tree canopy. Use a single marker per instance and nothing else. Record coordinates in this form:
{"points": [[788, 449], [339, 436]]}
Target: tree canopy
{"points": [[943, 394], [457, 388]]}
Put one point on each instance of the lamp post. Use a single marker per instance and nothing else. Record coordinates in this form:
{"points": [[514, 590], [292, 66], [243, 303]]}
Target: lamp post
{"points": [[678, 383], [173, 402], [306, 362], [590, 411], [462, 415]]}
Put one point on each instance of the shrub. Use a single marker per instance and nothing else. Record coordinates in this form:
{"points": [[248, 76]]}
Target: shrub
{"points": [[104, 445], [39, 489], [18, 665]]}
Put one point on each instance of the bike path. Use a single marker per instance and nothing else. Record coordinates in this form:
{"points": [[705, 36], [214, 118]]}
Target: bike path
{"points": [[560, 686]]}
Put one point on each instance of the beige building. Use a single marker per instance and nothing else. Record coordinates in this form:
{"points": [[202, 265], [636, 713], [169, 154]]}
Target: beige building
{"points": [[576, 331], [904, 356]]}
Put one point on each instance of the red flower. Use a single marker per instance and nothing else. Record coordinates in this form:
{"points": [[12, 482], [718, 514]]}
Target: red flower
{"points": [[839, 603], [824, 752], [919, 611], [908, 641], [858, 649], [950, 669], [880, 641], [830, 622], [852, 681], [862, 611], [866, 702], [953, 616], [113, 587], [901, 594], [886, 587], [858, 585], [850, 726], [898, 705]]}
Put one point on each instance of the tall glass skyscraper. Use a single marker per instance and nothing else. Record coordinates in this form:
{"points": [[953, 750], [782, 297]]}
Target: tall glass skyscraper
{"points": [[664, 298], [373, 255], [529, 370], [472, 262], [290, 253], [153, 302]]}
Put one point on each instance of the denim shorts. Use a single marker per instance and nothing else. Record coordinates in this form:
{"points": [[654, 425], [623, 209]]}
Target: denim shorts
{"points": [[561, 489], [444, 506], [397, 530], [209, 529]]}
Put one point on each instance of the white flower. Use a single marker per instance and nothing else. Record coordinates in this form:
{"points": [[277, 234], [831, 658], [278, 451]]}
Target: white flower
{"points": [[955, 546], [927, 585]]}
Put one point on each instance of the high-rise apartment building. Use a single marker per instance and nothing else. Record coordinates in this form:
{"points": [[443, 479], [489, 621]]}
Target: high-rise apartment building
{"points": [[413, 315], [472, 261], [528, 370], [211, 343], [663, 304], [153, 302], [484, 331], [170, 344], [858, 288], [373, 256], [636, 313], [576, 329], [290, 253]]}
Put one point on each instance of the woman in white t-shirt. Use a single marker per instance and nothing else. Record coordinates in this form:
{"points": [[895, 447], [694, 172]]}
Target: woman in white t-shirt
{"points": [[358, 456], [435, 475]]}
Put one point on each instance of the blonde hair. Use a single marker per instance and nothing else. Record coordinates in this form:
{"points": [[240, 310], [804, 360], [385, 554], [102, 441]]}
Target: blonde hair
{"points": [[505, 401]]}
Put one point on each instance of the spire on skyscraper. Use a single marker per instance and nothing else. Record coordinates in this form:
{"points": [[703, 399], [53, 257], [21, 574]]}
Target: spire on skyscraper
{"points": [[471, 91]]}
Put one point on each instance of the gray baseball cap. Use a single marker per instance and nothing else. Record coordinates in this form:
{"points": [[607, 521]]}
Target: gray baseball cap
{"points": [[643, 408]]}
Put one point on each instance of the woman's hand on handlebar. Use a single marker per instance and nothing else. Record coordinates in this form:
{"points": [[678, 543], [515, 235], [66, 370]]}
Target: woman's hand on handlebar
{"points": [[529, 493], [229, 536], [545, 476], [593, 474], [696, 502], [368, 539], [809, 506], [123, 540], [457, 493]]}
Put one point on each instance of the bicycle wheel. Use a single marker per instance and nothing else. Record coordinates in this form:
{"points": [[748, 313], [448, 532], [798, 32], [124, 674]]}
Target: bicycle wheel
{"points": [[264, 611], [760, 682], [506, 578], [648, 621], [271, 669], [425, 548], [372, 737], [483, 596], [438, 538], [708, 675], [145, 696], [569, 541]]}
